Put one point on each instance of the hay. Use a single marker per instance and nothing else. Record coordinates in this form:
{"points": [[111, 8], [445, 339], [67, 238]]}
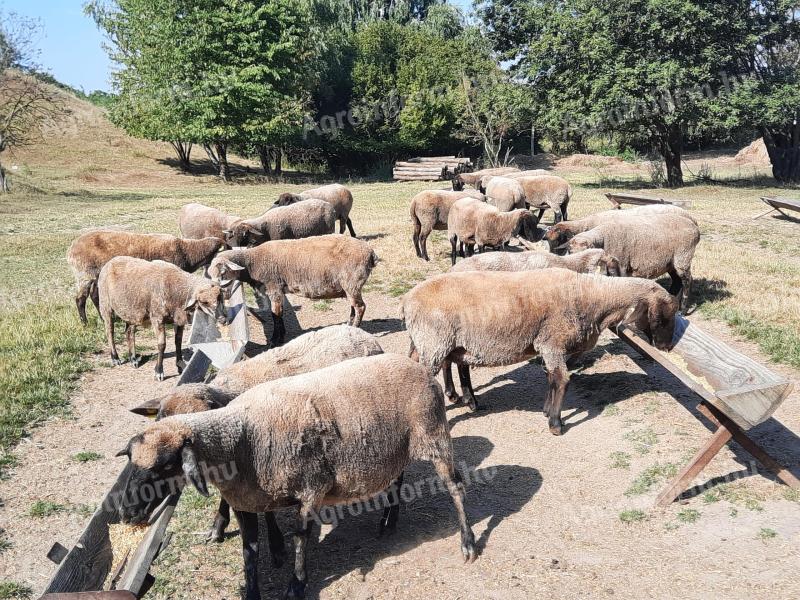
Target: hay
{"points": [[124, 540], [590, 160], [756, 153], [684, 366]]}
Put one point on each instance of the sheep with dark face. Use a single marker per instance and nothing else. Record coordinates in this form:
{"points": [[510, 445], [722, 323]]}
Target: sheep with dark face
{"points": [[321, 267], [335, 194], [303, 219], [333, 436], [138, 291], [197, 221], [464, 179], [429, 212], [496, 319], [90, 251]]}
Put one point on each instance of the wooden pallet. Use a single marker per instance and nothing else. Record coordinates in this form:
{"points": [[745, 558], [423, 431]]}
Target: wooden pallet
{"points": [[430, 168], [84, 569], [619, 199], [779, 204], [736, 394]]}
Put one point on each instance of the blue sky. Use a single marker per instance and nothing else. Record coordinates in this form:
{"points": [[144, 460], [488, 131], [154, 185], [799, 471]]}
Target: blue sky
{"points": [[70, 44]]}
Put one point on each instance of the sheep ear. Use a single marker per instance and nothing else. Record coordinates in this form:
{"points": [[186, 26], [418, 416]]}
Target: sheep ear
{"points": [[227, 233], [233, 266], [192, 469], [190, 303], [564, 246], [254, 230], [126, 451], [148, 409]]}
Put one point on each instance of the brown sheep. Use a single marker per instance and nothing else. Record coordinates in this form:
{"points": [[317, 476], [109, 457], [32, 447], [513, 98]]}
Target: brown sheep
{"points": [[90, 251], [138, 291], [589, 261], [504, 193], [303, 219], [462, 179], [429, 211], [335, 194], [496, 319], [473, 223], [327, 266], [334, 436], [648, 246], [547, 191], [197, 221]]}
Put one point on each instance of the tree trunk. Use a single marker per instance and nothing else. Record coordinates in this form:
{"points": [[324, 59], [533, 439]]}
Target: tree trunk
{"points": [[184, 152], [212, 156], [222, 154], [784, 154], [670, 144], [264, 153], [278, 153], [4, 186]]}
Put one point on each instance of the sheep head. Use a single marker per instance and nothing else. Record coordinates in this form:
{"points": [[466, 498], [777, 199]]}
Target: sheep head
{"points": [[184, 399], [224, 271], [654, 316], [527, 226], [578, 244], [158, 459], [209, 298], [609, 265], [557, 235], [458, 183], [242, 234], [286, 199]]}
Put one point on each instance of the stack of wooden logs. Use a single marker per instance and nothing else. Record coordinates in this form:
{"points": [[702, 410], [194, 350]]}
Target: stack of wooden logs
{"points": [[431, 168]]}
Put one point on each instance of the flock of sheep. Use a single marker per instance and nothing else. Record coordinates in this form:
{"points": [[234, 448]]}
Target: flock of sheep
{"points": [[329, 418]]}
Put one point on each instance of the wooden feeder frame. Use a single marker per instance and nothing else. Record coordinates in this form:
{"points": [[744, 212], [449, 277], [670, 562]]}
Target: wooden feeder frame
{"points": [[779, 204], [618, 199]]}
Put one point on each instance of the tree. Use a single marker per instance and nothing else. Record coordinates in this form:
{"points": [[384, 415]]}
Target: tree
{"points": [[639, 67], [26, 103], [209, 72]]}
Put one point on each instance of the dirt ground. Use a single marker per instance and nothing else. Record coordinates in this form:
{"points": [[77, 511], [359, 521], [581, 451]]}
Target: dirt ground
{"points": [[548, 511]]}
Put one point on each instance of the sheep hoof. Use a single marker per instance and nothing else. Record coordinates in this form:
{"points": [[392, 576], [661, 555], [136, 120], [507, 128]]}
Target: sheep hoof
{"points": [[454, 398], [159, 376], [214, 537], [296, 589], [470, 552], [117, 362], [181, 366], [557, 429], [136, 361]]}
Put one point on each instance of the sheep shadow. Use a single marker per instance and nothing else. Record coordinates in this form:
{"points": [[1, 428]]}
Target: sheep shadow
{"points": [[372, 236], [382, 327], [495, 492]]}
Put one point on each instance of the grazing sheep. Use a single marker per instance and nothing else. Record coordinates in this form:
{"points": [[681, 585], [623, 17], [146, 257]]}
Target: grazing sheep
{"points": [[547, 191], [429, 210], [504, 193], [197, 221], [474, 223], [138, 291], [327, 266], [334, 436], [303, 219], [310, 351], [560, 233], [462, 179], [648, 247], [530, 173], [335, 194], [90, 251], [589, 261], [496, 319]]}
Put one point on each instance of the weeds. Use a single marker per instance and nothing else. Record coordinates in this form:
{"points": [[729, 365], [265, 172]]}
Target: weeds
{"points": [[86, 456], [642, 439], [11, 590], [323, 305], [632, 516], [620, 460], [688, 515], [649, 477], [765, 533], [45, 508]]}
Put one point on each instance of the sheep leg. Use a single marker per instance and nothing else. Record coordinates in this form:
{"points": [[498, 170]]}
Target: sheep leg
{"points": [[278, 328], [350, 227], [161, 333], [130, 335], [277, 549], [466, 387], [179, 363], [558, 379], [449, 386], [423, 245], [221, 522], [392, 512], [540, 215], [357, 309], [115, 360], [471, 249], [455, 485], [248, 526], [415, 237], [686, 277], [297, 585], [80, 301], [453, 249], [341, 226]]}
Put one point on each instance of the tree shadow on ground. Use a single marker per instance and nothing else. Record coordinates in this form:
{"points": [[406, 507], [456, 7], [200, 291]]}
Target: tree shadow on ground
{"points": [[495, 492]]}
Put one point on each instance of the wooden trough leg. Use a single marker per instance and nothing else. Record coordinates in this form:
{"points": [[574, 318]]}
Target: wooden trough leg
{"points": [[748, 444], [709, 450], [764, 214]]}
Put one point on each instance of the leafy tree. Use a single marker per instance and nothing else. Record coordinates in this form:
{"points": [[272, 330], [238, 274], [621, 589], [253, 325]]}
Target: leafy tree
{"points": [[639, 67], [213, 73]]}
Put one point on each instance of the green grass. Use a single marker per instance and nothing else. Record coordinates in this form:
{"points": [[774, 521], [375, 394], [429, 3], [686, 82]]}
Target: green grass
{"points": [[323, 305], [5, 543], [642, 439], [45, 508], [620, 460], [610, 410], [649, 477], [632, 516], [688, 515], [11, 590], [86, 456], [765, 533]]}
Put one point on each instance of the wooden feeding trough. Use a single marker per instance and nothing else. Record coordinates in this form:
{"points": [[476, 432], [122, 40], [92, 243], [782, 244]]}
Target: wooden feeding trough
{"points": [[779, 204], [619, 199], [85, 570], [736, 394]]}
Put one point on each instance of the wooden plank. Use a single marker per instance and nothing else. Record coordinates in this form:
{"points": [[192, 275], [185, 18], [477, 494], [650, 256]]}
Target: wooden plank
{"points": [[112, 595], [617, 199], [709, 450], [781, 202]]}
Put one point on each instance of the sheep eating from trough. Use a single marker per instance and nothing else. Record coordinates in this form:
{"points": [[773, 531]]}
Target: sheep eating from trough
{"points": [[197, 221], [91, 251], [462, 179], [496, 319], [429, 211], [303, 219], [335, 194], [334, 436], [473, 223], [138, 291], [648, 246], [321, 267], [590, 261]]}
